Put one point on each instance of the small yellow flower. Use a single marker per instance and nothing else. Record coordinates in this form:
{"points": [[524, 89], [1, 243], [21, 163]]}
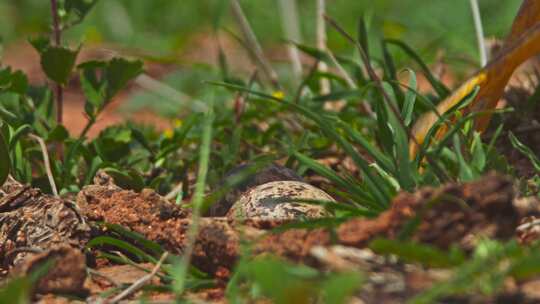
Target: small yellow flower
{"points": [[177, 123], [278, 95], [168, 133]]}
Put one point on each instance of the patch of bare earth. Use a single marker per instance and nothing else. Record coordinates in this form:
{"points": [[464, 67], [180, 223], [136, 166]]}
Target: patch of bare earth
{"points": [[452, 214]]}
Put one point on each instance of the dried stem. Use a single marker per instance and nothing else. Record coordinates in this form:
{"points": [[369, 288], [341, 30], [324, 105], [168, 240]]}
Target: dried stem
{"points": [[140, 282], [479, 32], [58, 89], [57, 35], [46, 162], [254, 47], [289, 20], [365, 106], [321, 44]]}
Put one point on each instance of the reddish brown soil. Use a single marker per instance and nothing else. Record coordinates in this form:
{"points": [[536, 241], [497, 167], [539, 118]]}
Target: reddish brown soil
{"points": [[453, 214]]}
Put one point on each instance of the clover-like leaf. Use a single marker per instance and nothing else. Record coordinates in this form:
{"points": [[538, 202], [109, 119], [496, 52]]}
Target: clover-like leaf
{"points": [[58, 62], [128, 179], [80, 8], [119, 72], [15, 82]]}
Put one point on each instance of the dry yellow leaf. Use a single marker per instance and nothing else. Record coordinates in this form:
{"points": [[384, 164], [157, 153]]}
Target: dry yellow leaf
{"points": [[522, 43]]}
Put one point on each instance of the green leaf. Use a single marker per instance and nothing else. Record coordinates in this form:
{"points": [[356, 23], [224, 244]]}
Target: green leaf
{"points": [[363, 36], [154, 247], [321, 55], [465, 171], [525, 151], [419, 253], [79, 7], [15, 82], [58, 62], [59, 133], [438, 86], [478, 153], [93, 88], [410, 99], [359, 194], [21, 131], [340, 286], [113, 143], [129, 179], [455, 127], [40, 43], [382, 160], [16, 291], [110, 241], [5, 162], [19, 82], [405, 174], [119, 72]]}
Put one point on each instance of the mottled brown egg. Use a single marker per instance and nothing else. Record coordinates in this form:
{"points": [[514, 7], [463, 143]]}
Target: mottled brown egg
{"points": [[271, 201]]}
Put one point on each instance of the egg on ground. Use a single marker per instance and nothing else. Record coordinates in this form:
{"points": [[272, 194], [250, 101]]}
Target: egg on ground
{"points": [[276, 201]]}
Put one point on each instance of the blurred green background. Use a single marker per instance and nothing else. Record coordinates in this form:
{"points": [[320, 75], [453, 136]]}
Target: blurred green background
{"points": [[162, 27]]}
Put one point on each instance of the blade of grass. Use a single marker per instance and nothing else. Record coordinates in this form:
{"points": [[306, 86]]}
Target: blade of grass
{"points": [[410, 99], [405, 174], [440, 88], [254, 47], [359, 195], [525, 151], [374, 181], [197, 202], [384, 95]]}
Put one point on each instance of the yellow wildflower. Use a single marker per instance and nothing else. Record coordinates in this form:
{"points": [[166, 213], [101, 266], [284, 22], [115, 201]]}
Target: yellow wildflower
{"points": [[278, 95], [168, 133]]}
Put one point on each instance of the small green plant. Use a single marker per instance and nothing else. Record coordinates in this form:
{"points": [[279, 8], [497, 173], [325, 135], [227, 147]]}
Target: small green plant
{"points": [[285, 283]]}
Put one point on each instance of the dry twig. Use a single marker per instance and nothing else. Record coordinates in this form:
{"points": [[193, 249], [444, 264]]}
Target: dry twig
{"points": [[254, 47], [46, 162], [289, 19], [140, 282]]}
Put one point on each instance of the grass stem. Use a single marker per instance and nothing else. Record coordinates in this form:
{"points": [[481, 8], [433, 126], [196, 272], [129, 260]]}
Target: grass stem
{"points": [[255, 48], [197, 200], [290, 24], [479, 32]]}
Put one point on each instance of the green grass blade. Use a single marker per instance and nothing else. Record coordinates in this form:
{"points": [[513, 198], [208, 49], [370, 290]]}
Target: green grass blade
{"points": [[438, 86], [525, 151], [465, 172], [384, 162], [110, 241], [410, 99], [375, 183], [359, 194], [405, 174], [197, 202]]}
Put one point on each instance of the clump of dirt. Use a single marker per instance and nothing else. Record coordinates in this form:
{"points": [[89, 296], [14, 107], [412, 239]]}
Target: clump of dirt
{"points": [[461, 214], [161, 221], [31, 221], [65, 274]]}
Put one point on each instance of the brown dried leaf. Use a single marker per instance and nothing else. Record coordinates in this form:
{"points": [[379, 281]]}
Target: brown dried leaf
{"points": [[522, 43]]}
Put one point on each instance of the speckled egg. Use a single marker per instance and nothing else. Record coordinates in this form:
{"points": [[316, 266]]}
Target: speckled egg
{"points": [[271, 201]]}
